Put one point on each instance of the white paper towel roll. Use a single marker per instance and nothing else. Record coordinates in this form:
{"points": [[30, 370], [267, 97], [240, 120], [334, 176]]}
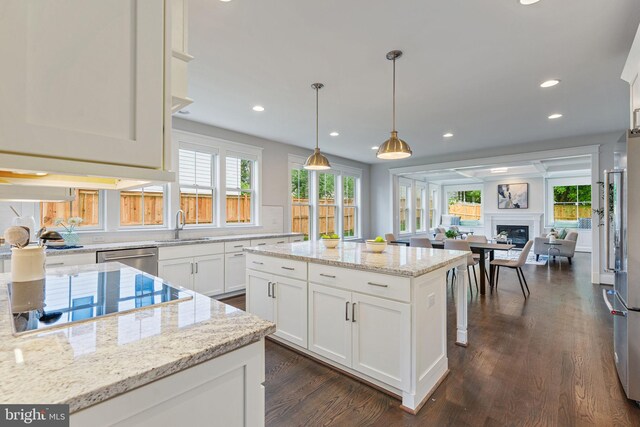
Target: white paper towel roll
{"points": [[27, 264]]}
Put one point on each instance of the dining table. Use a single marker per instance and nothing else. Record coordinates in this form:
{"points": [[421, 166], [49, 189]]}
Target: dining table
{"points": [[477, 248]]}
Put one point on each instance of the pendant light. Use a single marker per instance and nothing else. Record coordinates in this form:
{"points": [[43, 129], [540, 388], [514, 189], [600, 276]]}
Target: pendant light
{"points": [[317, 161], [394, 148]]}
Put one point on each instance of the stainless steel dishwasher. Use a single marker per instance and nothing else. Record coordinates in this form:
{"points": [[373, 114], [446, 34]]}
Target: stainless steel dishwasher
{"points": [[145, 259]]}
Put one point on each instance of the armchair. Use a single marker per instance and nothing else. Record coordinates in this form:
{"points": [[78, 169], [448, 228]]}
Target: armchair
{"points": [[567, 246]]}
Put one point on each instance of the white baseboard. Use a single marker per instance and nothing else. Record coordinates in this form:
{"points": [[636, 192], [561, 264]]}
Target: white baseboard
{"points": [[602, 278]]}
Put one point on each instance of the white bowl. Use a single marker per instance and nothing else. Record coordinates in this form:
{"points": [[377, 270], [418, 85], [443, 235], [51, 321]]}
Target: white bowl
{"points": [[376, 247], [330, 243]]}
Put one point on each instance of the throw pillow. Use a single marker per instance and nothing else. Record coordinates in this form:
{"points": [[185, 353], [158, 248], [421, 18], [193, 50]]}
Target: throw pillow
{"points": [[563, 234]]}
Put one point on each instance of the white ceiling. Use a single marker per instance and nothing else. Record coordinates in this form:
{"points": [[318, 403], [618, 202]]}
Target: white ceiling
{"points": [[470, 67], [547, 168]]}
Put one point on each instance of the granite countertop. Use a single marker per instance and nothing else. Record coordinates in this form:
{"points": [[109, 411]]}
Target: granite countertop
{"points": [[82, 364], [5, 252], [395, 260]]}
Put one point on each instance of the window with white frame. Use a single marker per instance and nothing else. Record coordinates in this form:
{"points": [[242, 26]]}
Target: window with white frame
{"points": [[196, 179], [142, 207], [569, 202], [350, 206], [466, 203], [327, 204], [300, 201], [87, 206], [421, 207], [404, 205], [433, 215], [240, 189]]}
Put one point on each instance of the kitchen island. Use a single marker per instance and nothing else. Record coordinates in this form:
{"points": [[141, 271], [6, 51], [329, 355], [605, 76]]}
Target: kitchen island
{"points": [[378, 317], [122, 347]]}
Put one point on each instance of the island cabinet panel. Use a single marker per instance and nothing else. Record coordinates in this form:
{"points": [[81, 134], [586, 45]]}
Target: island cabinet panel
{"points": [[209, 274], [330, 323], [280, 300], [85, 80], [381, 339], [382, 285]]}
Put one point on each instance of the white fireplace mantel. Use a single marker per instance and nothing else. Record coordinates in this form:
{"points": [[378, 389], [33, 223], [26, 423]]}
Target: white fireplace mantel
{"points": [[534, 220]]}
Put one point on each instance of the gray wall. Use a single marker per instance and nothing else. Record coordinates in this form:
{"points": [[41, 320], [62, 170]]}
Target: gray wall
{"points": [[275, 174]]}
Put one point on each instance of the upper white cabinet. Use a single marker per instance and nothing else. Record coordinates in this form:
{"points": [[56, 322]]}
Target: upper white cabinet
{"points": [[631, 74], [85, 80], [180, 57]]}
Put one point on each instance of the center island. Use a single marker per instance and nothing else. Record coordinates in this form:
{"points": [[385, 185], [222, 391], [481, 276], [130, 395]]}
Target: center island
{"points": [[381, 317]]}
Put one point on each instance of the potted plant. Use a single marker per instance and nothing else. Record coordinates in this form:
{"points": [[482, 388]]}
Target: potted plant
{"points": [[451, 234], [71, 238]]}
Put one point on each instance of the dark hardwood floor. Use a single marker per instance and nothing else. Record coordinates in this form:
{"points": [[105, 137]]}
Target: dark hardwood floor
{"points": [[547, 361]]}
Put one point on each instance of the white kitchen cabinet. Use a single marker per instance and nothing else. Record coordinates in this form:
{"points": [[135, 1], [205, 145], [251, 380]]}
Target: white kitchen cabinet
{"points": [[203, 274], [180, 57], [280, 300], [269, 241], [234, 267], [362, 332], [294, 239], [85, 80]]}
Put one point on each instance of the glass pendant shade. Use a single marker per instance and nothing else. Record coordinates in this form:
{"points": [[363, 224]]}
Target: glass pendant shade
{"points": [[394, 148], [317, 161]]}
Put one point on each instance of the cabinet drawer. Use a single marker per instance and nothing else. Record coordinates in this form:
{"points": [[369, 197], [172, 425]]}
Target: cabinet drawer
{"points": [[269, 241], [236, 246], [188, 251], [383, 285], [279, 266], [53, 261]]}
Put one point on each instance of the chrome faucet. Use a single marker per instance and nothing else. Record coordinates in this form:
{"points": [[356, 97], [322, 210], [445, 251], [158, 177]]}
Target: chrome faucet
{"points": [[179, 223]]}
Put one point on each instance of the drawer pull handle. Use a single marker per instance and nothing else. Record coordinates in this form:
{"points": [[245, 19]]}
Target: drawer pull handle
{"points": [[328, 275], [377, 284], [258, 262], [269, 289], [346, 311], [54, 264], [353, 312], [281, 241], [261, 244], [239, 255], [273, 290], [238, 246], [288, 268]]}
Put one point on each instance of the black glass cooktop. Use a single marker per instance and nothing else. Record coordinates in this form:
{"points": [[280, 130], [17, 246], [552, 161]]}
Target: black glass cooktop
{"points": [[84, 294]]}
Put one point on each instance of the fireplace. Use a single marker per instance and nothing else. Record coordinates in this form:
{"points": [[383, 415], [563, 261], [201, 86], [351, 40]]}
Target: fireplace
{"points": [[519, 234]]}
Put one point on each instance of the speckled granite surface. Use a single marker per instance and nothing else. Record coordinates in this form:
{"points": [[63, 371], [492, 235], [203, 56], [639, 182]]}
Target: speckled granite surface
{"points": [[396, 260], [5, 251], [89, 362]]}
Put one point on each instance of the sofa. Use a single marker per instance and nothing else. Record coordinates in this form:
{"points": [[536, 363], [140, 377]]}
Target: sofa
{"points": [[567, 246]]}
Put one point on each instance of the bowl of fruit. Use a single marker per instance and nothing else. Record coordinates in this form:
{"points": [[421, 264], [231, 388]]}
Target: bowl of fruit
{"points": [[376, 245], [330, 241]]}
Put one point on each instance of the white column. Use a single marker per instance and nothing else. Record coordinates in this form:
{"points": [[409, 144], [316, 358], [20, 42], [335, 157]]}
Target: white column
{"points": [[461, 304]]}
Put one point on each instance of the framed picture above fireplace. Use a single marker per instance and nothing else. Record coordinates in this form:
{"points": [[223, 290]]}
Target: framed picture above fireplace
{"points": [[513, 196]]}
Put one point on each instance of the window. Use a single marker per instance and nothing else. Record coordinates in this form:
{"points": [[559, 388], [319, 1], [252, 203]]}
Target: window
{"points": [[572, 205], [349, 206], [142, 206], [433, 196], [327, 207], [240, 189], [300, 206], [87, 206], [467, 204], [405, 206], [197, 186], [421, 200]]}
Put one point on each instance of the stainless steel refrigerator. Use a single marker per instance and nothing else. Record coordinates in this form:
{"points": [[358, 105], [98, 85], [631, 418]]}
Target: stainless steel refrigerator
{"points": [[622, 255]]}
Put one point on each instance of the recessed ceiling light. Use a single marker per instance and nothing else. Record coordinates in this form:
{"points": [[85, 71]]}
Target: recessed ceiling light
{"points": [[258, 108], [225, 1], [499, 170], [550, 83], [447, 135], [334, 134], [184, 112], [528, 2], [375, 147], [555, 116]]}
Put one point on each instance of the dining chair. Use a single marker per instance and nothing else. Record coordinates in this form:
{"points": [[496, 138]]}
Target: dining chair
{"points": [[440, 236], [461, 245], [420, 242], [515, 265], [389, 237], [479, 238]]}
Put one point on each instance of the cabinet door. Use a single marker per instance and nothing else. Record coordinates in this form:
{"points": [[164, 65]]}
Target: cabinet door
{"points": [[381, 339], [209, 274], [177, 272], [85, 80], [330, 323], [259, 300], [234, 271], [290, 299]]}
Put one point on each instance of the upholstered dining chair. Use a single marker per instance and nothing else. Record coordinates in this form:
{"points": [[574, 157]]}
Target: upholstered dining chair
{"points": [[440, 236], [478, 238], [420, 242], [389, 237], [461, 245], [515, 265]]}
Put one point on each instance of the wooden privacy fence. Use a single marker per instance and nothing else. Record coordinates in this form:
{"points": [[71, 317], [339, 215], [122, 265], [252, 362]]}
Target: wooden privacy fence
{"points": [[326, 218], [466, 211], [86, 206], [568, 212]]}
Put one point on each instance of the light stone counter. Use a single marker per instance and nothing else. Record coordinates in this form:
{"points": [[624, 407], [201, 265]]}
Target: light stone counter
{"points": [[396, 260], [89, 362]]}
